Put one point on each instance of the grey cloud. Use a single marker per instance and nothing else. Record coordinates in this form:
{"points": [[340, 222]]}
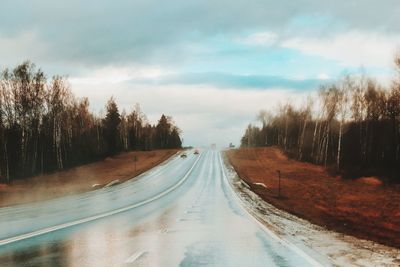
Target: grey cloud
{"points": [[119, 32]]}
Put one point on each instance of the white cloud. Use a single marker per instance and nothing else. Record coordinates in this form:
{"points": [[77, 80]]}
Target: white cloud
{"points": [[115, 75], [260, 39], [323, 76], [353, 48], [21, 47]]}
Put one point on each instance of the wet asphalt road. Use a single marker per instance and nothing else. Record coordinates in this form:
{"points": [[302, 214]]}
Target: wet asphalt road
{"points": [[182, 213]]}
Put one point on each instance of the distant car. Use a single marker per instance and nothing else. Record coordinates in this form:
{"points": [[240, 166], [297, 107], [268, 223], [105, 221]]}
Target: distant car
{"points": [[184, 156], [196, 152]]}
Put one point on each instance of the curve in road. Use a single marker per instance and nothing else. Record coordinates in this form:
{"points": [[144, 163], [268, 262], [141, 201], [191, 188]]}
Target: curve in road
{"points": [[183, 213]]}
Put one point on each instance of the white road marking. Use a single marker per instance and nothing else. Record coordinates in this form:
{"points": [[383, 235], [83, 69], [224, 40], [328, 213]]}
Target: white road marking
{"points": [[192, 211], [163, 230], [135, 256], [96, 217]]}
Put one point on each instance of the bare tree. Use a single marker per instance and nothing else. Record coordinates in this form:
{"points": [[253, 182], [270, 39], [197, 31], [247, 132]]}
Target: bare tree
{"points": [[343, 109], [43, 127], [265, 118], [305, 115]]}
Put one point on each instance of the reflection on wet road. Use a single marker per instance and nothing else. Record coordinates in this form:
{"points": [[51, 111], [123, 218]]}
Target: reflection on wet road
{"points": [[198, 223]]}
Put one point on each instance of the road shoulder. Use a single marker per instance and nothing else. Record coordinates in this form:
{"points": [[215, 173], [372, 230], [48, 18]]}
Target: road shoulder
{"points": [[316, 241]]}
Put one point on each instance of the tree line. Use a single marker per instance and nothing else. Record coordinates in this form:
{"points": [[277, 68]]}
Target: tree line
{"points": [[44, 127], [351, 126]]}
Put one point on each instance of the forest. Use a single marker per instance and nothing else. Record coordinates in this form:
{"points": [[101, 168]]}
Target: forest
{"points": [[44, 127], [352, 126]]}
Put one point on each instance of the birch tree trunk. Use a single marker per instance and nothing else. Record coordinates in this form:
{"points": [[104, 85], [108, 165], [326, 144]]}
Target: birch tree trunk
{"points": [[339, 146], [302, 140], [6, 161], [313, 140], [326, 146], [286, 132]]}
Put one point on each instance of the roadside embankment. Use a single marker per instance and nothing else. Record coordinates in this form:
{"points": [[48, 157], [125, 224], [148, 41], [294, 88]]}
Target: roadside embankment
{"points": [[83, 178], [363, 208]]}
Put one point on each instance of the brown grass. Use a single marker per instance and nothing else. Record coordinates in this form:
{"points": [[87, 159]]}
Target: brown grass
{"points": [[80, 179], [363, 207]]}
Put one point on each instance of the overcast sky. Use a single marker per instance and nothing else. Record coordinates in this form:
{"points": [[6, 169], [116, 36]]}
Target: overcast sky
{"points": [[210, 64]]}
